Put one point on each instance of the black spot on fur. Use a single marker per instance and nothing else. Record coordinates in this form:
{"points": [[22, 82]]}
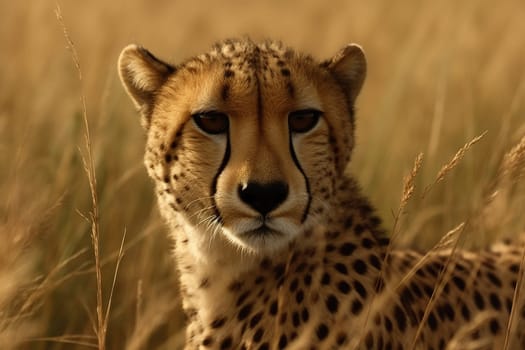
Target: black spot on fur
{"points": [[360, 267], [225, 92], [494, 326], [207, 341], [343, 287], [322, 331], [349, 222], [400, 317], [374, 261], [273, 308], [242, 298], [359, 229], [406, 296], [448, 311], [478, 300], [296, 321], [388, 324], [256, 319], [465, 312], [294, 285], [264, 346], [367, 243], [360, 289], [332, 303], [226, 343], [218, 323], [299, 296], [458, 281], [347, 248], [285, 72], [305, 315], [307, 279], [494, 279], [341, 268], [258, 335], [494, 301], [283, 342], [432, 321], [357, 307], [278, 271]]}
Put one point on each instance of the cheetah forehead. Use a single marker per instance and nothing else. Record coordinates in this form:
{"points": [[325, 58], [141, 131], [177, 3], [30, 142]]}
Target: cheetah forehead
{"points": [[244, 56], [243, 67]]}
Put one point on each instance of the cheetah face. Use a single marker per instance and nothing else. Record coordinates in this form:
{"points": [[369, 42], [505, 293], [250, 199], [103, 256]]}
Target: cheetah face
{"points": [[245, 142]]}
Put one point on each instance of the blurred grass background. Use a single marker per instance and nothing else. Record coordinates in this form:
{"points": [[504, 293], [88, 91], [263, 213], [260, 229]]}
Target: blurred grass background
{"points": [[440, 73]]}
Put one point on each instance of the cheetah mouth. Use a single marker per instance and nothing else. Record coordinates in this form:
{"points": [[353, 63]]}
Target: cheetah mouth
{"points": [[262, 231], [262, 235]]}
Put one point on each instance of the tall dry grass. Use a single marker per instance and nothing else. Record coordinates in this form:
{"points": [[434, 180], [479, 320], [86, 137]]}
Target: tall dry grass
{"points": [[440, 74]]}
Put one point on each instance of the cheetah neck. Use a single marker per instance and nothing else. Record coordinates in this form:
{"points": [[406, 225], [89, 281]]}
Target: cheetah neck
{"points": [[222, 297]]}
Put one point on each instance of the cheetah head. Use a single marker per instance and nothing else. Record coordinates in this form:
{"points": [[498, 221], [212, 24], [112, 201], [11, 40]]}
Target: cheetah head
{"points": [[245, 143]]}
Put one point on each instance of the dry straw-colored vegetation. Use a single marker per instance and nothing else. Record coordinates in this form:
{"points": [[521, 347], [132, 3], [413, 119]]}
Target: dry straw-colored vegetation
{"points": [[441, 73]]}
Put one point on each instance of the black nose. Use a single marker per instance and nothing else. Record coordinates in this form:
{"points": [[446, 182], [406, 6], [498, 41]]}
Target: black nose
{"points": [[263, 197]]}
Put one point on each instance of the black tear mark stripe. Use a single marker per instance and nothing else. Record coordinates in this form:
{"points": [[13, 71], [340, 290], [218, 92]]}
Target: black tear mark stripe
{"points": [[213, 189], [307, 183]]}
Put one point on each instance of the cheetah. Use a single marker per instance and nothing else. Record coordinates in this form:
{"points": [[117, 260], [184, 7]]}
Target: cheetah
{"points": [[275, 246]]}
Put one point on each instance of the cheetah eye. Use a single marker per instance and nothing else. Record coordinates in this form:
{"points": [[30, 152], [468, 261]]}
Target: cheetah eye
{"points": [[303, 120], [211, 122]]}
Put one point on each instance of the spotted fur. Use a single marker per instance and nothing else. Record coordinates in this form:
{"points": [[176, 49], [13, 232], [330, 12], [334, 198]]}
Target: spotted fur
{"points": [[310, 269]]}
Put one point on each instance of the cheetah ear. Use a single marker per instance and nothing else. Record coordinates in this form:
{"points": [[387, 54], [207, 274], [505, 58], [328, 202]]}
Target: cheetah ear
{"points": [[142, 74], [349, 68]]}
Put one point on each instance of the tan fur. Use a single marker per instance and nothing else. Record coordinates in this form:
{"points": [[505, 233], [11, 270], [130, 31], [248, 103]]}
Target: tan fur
{"points": [[308, 279]]}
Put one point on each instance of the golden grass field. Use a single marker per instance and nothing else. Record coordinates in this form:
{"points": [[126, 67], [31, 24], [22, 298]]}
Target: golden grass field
{"points": [[440, 73]]}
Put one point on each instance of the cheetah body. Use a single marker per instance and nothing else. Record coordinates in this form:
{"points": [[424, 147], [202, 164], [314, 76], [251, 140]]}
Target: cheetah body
{"points": [[275, 246]]}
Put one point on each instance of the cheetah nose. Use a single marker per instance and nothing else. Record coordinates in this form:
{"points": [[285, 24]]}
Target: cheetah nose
{"points": [[263, 197]]}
